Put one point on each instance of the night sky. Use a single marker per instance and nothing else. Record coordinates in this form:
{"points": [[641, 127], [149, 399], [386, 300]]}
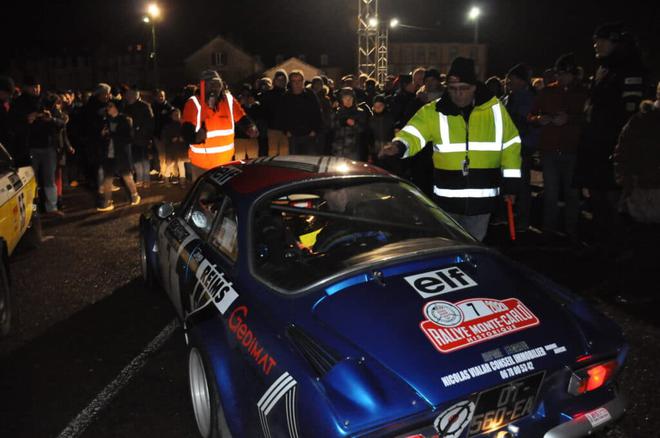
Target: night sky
{"points": [[515, 30]]}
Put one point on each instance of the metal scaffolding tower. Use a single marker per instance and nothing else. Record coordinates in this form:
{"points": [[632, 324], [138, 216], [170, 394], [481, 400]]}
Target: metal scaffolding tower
{"points": [[372, 41]]}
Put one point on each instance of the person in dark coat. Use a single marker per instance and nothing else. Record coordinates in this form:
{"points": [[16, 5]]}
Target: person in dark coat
{"points": [[558, 112], [349, 122], [381, 128], [37, 130], [175, 148], [322, 92], [6, 94], [92, 123], [162, 110], [518, 101], [272, 102], [616, 92], [21, 115], [637, 163], [302, 117], [142, 116], [401, 103], [117, 134]]}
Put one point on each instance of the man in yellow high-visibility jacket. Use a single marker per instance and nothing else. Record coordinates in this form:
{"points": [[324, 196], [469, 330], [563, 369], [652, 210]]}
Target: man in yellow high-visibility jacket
{"points": [[476, 148]]}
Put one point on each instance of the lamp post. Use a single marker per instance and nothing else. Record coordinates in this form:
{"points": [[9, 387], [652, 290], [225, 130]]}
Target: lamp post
{"points": [[153, 14], [473, 15]]}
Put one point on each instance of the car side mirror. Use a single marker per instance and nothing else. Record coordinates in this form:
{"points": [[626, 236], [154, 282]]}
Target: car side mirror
{"points": [[165, 210]]}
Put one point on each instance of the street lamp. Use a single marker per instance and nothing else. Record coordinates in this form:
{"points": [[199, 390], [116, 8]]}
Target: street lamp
{"points": [[153, 13], [394, 22], [473, 15]]}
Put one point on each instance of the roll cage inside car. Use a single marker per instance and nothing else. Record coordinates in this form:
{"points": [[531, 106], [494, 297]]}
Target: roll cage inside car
{"points": [[453, 235]]}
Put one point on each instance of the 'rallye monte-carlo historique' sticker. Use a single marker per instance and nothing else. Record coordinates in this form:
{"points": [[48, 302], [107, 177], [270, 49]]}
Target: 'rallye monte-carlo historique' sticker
{"points": [[452, 326]]}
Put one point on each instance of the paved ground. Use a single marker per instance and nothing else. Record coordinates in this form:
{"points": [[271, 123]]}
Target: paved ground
{"points": [[83, 317]]}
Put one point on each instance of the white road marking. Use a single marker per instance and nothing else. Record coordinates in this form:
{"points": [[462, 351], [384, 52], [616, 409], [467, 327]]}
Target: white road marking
{"points": [[86, 417]]}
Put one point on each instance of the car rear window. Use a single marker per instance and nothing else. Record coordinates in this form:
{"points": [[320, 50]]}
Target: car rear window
{"points": [[306, 234]]}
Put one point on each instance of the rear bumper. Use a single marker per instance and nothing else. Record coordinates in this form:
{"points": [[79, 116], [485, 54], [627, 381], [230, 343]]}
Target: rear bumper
{"points": [[582, 425]]}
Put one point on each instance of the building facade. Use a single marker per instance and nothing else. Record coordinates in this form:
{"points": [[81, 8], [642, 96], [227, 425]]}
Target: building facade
{"points": [[233, 63], [405, 57]]}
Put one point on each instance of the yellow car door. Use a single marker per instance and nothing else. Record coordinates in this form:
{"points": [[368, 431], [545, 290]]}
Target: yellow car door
{"points": [[17, 191]]}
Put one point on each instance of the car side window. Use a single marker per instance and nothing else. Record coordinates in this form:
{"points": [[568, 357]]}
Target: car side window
{"points": [[225, 234], [204, 208]]}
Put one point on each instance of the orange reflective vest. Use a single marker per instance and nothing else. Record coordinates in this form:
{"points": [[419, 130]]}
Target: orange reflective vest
{"points": [[218, 148]]}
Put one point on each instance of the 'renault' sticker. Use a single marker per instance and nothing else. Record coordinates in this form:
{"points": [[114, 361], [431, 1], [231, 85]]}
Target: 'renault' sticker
{"points": [[598, 417], [452, 326], [452, 422]]}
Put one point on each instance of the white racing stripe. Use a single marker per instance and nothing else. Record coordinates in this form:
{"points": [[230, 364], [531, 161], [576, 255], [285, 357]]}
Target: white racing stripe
{"points": [[78, 425]]}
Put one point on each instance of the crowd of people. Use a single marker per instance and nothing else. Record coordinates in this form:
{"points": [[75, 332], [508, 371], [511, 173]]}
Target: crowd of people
{"points": [[595, 137]]}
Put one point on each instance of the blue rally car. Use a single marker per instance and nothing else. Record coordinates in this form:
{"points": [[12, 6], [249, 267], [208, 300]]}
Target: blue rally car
{"points": [[327, 298]]}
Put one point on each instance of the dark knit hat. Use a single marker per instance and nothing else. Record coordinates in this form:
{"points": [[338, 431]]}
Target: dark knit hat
{"points": [[566, 62], [379, 98], [432, 73], [610, 31], [521, 71], [462, 70]]}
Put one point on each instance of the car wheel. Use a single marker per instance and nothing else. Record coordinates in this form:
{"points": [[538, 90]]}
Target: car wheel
{"points": [[147, 275], [5, 301], [209, 415]]}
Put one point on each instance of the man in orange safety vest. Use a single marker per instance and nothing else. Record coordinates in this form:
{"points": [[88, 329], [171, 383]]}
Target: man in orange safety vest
{"points": [[209, 122]]}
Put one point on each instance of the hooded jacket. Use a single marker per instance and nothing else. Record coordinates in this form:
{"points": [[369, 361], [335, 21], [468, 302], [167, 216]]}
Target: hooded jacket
{"points": [[483, 139]]}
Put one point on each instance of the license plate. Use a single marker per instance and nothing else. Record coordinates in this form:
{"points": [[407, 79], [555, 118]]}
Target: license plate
{"points": [[504, 404]]}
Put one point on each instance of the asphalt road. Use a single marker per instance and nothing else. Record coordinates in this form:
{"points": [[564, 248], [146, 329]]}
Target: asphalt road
{"points": [[82, 360]]}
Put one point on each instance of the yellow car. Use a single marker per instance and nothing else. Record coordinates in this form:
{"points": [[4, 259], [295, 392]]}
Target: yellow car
{"points": [[17, 191]]}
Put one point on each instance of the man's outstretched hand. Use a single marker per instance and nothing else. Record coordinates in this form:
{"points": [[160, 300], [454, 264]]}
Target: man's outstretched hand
{"points": [[389, 150]]}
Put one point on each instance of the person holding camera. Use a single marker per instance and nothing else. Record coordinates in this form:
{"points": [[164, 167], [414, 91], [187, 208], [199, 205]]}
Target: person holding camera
{"points": [[209, 122], [35, 129]]}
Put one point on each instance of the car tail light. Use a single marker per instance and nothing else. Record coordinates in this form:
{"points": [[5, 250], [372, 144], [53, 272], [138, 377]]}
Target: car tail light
{"points": [[592, 377]]}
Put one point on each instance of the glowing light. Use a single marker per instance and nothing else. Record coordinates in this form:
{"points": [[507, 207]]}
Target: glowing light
{"points": [[146, 19], [394, 22], [153, 10], [474, 13], [343, 168], [373, 22]]}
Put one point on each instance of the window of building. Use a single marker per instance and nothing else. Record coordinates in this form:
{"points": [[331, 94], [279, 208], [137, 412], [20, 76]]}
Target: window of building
{"points": [[324, 60], [219, 59]]}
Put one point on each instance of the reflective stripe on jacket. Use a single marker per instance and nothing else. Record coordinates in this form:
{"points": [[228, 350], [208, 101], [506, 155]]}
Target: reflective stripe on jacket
{"points": [[218, 148], [489, 139]]}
